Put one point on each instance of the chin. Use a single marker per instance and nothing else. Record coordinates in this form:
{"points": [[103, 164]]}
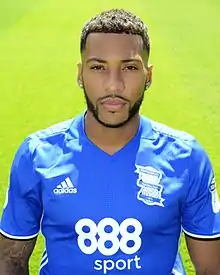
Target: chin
{"points": [[113, 123]]}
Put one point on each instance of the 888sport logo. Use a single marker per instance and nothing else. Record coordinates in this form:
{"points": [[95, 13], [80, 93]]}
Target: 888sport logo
{"points": [[108, 237]]}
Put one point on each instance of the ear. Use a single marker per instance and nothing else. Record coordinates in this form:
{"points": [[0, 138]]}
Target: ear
{"points": [[149, 76], [79, 75]]}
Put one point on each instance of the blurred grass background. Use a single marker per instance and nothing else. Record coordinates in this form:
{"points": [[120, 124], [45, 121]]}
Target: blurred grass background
{"points": [[39, 50]]}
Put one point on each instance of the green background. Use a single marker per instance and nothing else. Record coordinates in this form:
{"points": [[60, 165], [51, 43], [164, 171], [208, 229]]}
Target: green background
{"points": [[39, 50]]}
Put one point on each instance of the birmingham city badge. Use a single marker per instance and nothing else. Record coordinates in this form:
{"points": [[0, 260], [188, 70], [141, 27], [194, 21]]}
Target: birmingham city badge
{"points": [[150, 188]]}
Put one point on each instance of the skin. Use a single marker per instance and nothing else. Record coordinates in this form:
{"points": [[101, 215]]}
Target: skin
{"points": [[113, 65], [205, 255], [109, 75], [14, 255]]}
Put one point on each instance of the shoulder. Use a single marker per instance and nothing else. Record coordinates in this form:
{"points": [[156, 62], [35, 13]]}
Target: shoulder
{"points": [[172, 140], [52, 138], [153, 129], [166, 131], [68, 129], [57, 133]]}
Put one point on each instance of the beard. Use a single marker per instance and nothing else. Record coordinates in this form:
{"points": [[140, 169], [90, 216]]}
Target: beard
{"points": [[132, 112]]}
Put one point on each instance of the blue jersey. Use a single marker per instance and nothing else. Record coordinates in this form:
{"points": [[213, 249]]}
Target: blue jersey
{"points": [[111, 214]]}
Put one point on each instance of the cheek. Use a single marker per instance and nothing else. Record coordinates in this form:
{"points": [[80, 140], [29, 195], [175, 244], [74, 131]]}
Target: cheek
{"points": [[134, 78], [93, 87], [135, 84], [93, 81]]}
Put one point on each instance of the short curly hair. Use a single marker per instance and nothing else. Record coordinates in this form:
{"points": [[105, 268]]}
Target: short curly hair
{"points": [[116, 21]]}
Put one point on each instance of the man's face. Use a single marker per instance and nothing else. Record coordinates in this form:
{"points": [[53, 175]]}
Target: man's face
{"points": [[114, 73]]}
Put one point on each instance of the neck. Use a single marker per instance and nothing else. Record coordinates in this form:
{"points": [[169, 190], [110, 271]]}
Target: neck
{"points": [[110, 139]]}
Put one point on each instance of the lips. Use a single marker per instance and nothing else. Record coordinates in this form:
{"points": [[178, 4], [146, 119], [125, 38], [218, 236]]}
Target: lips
{"points": [[113, 103]]}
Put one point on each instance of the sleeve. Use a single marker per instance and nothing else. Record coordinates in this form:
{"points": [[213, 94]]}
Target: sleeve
{"points": [[201, 209], [23, 209]]}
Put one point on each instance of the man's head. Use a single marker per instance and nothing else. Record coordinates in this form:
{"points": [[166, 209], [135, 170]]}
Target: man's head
{"points": [[114, 73]]}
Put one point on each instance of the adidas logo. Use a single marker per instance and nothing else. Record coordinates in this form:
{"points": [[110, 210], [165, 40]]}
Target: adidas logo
{"points": [[65, 187]]}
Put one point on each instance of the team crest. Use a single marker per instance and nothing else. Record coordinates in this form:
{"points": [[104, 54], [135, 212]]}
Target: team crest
{"points": [[149, 181]]}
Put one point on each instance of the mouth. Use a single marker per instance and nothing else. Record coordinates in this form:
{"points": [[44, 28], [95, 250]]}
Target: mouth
{"points": [[113, 104]]}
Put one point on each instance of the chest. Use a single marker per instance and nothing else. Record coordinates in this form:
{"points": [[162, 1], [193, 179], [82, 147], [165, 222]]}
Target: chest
{"points": [[141, 187]]}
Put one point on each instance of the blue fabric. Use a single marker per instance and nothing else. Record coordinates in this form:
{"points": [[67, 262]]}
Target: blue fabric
{"points": [[104, 214]]}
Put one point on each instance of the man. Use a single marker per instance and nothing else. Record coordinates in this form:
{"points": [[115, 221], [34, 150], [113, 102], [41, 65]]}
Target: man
{"points": [[111, 190]]}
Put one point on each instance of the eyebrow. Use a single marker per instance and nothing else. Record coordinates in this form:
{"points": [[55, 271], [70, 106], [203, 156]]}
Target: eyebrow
{"points": [[94, 59]]}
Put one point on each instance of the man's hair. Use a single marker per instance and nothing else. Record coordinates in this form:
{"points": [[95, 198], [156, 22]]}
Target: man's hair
{"points": [[116, 21]]}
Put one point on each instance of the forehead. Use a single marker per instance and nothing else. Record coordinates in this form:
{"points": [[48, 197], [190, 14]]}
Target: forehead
{"points": [[111, 45]]}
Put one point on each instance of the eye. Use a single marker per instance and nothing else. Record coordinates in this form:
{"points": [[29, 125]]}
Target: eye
{"points": [[97, 67], [130, 68]]}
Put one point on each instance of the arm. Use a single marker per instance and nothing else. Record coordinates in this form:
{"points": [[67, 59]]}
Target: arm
{"points": [[14, 255], [201, 214], [205, 255], [20, 221]]}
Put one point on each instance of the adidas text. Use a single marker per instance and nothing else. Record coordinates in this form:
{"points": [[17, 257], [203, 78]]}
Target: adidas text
{"points": [[65, 191]]}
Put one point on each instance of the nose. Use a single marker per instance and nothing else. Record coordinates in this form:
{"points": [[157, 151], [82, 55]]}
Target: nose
{"points": [[114, 82]]}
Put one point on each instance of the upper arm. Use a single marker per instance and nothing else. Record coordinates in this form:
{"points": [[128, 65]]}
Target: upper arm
{"points": [[201, 207], [205, 255], [201, 213], [14, 254], [23, 208]]}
